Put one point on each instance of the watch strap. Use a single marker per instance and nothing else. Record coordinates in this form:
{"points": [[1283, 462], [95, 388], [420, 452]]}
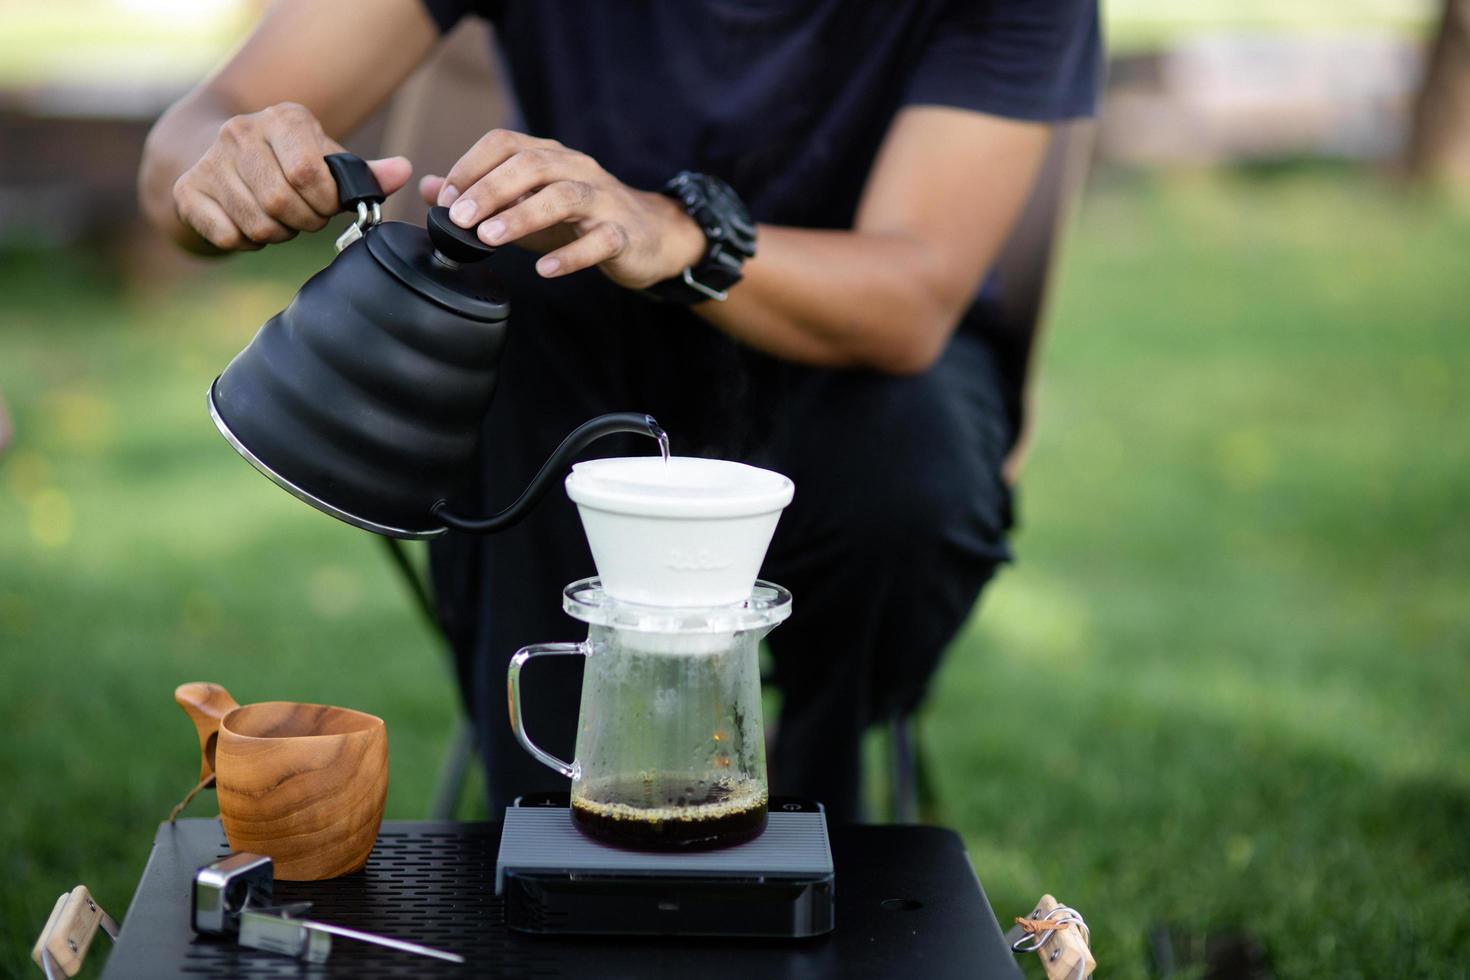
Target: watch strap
{"points": [[729, 236]]}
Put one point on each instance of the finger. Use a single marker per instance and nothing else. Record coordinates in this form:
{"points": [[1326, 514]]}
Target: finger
{"points": [[532, 165], [304, 166], [603, 242], [489, 152], [204, 214], [392, 172], [239, 202], [274, 193], [564, 200], [429, 188], [526, 172], [300, 148]]}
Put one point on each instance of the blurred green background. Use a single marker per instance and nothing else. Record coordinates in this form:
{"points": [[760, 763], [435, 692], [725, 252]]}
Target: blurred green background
{"points": [[1223, 688]]}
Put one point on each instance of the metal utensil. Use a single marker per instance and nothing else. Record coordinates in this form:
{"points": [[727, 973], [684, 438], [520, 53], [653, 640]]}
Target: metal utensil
{"points": [[235, 896]]}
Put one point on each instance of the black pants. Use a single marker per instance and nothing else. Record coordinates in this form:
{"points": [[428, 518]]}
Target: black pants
{"points": [[899, 520]]}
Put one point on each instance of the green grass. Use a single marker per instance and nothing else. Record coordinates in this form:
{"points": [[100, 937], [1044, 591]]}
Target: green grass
{"points": [[1146, 24], [1223, 687], [1225, 684]]}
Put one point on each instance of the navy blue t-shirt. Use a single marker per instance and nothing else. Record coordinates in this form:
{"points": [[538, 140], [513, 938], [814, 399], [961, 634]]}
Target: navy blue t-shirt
{"points": [[787, 100]]}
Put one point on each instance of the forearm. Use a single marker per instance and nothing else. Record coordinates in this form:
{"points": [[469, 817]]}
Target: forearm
{"points": [[842, 299], [888, 294]]}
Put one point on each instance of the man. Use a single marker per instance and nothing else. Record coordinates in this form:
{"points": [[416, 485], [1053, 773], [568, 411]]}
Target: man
{"points": [[883, 151]]}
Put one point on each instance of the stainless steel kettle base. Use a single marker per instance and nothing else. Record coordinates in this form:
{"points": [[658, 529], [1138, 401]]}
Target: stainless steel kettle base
{"points": [[304, 495]]}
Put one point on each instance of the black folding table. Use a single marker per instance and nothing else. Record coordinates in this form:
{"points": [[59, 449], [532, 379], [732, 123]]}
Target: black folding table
{"points": [[908, 905]]}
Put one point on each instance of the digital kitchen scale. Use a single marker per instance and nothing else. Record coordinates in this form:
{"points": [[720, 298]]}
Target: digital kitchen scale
{"points": [[555, 880]]}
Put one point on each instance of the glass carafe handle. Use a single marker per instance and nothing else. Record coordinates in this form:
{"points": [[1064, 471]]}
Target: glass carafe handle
{"points": [[513, 693]]}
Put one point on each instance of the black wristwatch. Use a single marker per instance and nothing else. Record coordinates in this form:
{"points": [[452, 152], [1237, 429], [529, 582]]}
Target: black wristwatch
{"points": [[728, 232]]}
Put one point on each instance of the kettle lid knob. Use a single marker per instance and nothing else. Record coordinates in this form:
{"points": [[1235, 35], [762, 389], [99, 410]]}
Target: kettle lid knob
{"points": [[457, 245]]}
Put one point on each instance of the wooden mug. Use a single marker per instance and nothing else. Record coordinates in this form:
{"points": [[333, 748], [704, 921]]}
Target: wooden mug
{"points": [[302, 783]]}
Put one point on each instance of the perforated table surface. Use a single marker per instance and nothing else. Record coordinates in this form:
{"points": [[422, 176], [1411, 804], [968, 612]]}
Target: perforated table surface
{"points": [[908, 905]]}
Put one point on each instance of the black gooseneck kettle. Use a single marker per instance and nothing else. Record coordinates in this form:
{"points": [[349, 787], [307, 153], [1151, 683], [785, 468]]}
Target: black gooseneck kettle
{"points": [[364, 397]]}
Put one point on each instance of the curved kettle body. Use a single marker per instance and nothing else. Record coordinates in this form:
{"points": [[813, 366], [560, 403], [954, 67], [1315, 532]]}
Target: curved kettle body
{"points": [[364, 397]]}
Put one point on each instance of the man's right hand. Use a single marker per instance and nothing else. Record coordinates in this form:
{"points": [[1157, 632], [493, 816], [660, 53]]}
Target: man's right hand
{"points": [[264, 178], [238, 162]]}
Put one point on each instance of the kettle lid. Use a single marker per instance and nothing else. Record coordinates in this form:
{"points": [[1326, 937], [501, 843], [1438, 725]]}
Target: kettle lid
{"points": [[443, 262]]}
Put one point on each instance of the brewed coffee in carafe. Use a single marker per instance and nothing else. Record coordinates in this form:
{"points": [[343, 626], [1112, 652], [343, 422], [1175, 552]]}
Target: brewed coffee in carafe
{"points": [[671, 748]]}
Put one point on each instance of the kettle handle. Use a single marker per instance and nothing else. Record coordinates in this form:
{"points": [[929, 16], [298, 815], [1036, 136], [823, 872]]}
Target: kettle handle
{"points": [[355, 181], [581, 437]]}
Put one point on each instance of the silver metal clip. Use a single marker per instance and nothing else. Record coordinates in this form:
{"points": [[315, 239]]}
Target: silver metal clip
{"points": [[367, 216]]}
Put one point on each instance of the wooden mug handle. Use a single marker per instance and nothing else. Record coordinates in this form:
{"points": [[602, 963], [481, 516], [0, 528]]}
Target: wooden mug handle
{"points": [[206, 705]]}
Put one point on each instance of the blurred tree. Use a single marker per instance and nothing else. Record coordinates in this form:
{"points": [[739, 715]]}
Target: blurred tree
{"points": [[1439, 148]]}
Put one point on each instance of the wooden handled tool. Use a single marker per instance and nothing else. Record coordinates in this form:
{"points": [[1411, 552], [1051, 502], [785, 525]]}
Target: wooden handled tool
{"points": [[1059, 936], [73, 924]]}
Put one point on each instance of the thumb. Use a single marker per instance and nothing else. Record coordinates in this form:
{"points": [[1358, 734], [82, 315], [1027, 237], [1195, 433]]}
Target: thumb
{"points": [[392, 172], [430, 188]]}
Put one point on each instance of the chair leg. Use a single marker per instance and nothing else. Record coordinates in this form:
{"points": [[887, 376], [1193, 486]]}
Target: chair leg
{"points": [[6, 429], [903, 782], [925, 791], [449, 785]]}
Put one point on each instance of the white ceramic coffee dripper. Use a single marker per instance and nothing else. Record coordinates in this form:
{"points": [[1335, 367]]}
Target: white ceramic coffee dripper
{"points": [[680, 532]]}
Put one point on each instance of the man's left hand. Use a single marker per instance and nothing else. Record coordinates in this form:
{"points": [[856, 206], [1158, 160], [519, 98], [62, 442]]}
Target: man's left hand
{"points": [[546, 197]]}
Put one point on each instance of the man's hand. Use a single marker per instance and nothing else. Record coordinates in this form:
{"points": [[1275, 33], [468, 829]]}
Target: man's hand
{"points": [[264, 178], [237, 162], [548, 198]]}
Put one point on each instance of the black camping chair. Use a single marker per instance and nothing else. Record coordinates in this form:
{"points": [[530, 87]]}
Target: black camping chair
{"points": [[449, 785], [6, 429]]}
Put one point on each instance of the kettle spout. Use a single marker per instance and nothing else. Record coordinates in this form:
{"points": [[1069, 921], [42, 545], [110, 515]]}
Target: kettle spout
{"points": [[571, 446]]}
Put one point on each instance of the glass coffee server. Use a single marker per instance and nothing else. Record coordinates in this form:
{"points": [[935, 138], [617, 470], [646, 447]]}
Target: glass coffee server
{"points": [[670, 750]]}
